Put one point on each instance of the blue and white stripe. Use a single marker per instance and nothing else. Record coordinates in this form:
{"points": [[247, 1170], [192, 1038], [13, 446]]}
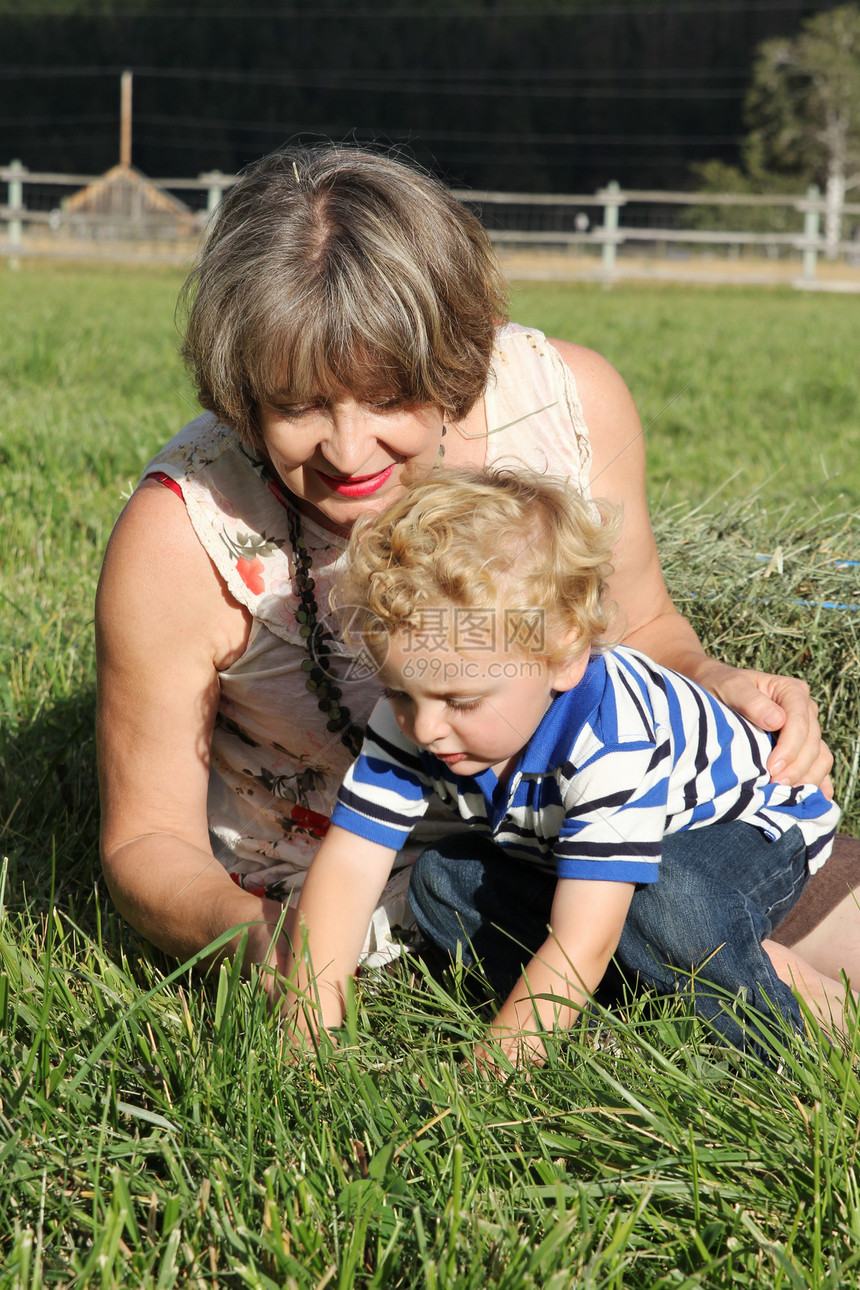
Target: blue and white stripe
{"points": [[633, 753]]}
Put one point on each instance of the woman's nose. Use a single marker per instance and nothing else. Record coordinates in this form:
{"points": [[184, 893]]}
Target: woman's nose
{"points": [[350, 441]]}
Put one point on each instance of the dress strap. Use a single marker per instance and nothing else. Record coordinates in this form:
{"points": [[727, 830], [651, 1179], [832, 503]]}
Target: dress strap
{"points": [[166, 481]]}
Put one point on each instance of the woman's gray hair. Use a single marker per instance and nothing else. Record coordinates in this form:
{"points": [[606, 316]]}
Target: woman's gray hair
{"points": [[334, 268]]}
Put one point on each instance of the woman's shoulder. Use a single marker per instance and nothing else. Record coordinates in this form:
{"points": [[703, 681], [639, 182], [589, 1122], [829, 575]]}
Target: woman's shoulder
{"points": [[157, 581], [242, 523], [590, 369], [199, 444], [534, 411], [517, 342]]}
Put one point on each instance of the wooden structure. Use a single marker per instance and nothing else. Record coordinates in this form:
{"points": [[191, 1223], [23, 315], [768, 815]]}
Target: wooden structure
{"points": [[124, 203], [123, 196]]}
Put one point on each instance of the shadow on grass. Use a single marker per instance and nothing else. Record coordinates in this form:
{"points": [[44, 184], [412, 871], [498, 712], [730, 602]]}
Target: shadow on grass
{"points": [[49, 803], [49, 837], [49, 834]]}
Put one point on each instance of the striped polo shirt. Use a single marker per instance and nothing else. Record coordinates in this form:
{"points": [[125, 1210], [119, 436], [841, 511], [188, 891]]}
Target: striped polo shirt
{"points": [[632, 753]]}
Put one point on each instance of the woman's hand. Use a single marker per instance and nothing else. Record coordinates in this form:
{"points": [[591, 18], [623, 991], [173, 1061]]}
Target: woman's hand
{"points": [[267, 949], [783, 703]]}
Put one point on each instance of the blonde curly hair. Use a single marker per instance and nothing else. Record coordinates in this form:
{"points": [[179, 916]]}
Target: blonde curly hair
{"points": [[506, 539]]}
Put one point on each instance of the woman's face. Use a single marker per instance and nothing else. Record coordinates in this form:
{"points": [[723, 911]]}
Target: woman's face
{"points": [[343, 458]]}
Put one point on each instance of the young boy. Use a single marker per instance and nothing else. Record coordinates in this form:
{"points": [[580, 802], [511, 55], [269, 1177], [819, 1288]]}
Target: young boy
{"points": [[479, 599]]}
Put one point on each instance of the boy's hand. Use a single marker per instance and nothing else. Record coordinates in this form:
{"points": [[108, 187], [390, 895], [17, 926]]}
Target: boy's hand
{"points": [[495, 1061], [586, 923], [341, 891]]}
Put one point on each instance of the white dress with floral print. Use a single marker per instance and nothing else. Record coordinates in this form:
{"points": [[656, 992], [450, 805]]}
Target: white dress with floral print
{"points": [[275, 769]]}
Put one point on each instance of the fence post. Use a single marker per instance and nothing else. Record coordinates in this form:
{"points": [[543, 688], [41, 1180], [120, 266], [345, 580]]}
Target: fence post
{"points": [[215, 189], [15, 201], [610, 225], [811, 228]]}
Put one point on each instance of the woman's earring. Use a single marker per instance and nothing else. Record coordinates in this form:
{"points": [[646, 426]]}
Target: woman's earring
{"points": [[441, 453]]}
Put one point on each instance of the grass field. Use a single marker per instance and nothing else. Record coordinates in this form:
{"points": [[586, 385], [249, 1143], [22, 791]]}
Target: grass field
{"points": [[150, 1134], [743, 391]]}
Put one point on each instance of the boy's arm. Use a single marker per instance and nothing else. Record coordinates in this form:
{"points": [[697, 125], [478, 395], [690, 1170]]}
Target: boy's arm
{"points": [[585, 926], [340, 893]]}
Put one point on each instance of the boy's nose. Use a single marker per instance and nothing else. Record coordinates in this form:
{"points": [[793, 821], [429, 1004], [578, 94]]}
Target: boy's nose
{"points": [[429, 724]]}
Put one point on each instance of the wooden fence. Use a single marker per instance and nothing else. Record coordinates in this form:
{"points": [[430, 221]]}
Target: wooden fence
{"points": [[607, 236]]}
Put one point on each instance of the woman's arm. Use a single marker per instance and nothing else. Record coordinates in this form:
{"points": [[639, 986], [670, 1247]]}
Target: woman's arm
{"points": [[650, 621], [342, 888], [165, 624], [585, 926]]}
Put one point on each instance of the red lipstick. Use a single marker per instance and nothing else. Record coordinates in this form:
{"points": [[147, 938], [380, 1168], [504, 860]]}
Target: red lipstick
{"points": [[356, 485]]}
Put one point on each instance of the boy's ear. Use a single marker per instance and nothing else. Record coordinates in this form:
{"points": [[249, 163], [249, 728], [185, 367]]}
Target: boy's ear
{"points": [[570, 674], [566, 675]]}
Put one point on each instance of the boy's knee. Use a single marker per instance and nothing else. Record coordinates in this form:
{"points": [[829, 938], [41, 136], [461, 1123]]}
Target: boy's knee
{"points": [[429, 882], [436, 900]]}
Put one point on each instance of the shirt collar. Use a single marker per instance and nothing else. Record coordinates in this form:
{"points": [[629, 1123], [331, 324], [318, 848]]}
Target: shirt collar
{"points": [[550, 744]]}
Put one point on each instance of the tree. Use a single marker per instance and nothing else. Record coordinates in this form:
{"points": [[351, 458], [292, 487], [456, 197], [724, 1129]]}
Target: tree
{"points": [[804, 109]]}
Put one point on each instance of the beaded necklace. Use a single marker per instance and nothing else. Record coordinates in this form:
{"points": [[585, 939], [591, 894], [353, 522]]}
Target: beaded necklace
{"points": [[321, 679]]}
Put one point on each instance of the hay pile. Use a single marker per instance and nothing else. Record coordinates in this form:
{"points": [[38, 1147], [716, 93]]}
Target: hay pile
{"points": [[781, 593]]}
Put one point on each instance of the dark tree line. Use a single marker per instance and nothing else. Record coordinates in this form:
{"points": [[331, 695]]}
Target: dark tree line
{"points": [[528, 96]]}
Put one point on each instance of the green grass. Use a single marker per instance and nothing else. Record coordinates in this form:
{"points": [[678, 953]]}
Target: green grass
{"points": [[150, 1132], [743, 392]]}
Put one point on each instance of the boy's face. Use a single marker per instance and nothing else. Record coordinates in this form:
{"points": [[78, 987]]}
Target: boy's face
{"points": [[472, 708]]}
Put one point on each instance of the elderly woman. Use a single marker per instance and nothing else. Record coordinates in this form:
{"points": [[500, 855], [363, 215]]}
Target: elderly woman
{"points": [[346, 330]]}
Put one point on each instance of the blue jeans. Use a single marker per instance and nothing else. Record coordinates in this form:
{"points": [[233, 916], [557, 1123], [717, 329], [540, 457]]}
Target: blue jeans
{"points": [[722, 890]]}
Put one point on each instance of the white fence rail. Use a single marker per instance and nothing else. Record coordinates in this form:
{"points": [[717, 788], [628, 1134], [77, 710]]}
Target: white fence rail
{"points": [[612, 234]]}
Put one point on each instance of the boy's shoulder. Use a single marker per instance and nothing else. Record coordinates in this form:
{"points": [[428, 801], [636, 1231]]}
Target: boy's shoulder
{"points": [[626, 666], [626, 700], [676, 701], [616, 705], [622, 668]]}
